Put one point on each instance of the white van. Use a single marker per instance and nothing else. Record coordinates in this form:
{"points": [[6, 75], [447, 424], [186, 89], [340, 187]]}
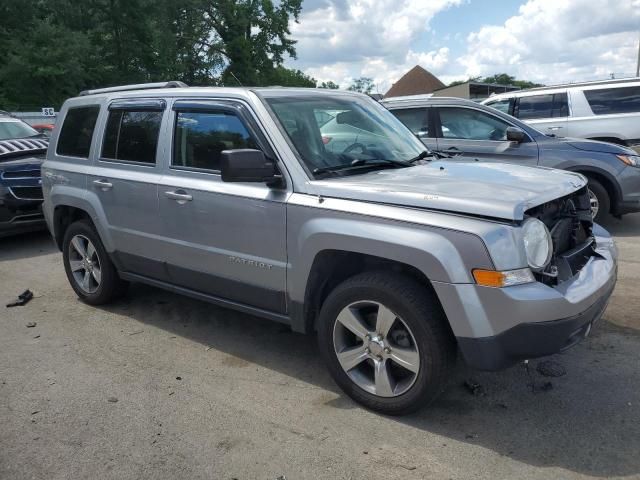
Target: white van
{"points": [[606, 110]]}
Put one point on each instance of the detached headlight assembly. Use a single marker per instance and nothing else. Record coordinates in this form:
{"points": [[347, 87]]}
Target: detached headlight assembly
{"points": [[631, 160], [537, 243]]}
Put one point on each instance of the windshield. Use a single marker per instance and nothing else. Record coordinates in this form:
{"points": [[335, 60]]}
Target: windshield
{"points": [[16, 129], [346, 134]]}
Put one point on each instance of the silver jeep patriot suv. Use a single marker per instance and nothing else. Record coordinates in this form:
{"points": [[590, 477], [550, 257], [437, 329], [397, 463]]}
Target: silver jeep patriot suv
{"points": [[320, 210]]}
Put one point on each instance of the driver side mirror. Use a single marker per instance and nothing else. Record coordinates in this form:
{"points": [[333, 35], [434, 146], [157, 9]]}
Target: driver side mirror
{"points": [[246, 165], [515, 134]]}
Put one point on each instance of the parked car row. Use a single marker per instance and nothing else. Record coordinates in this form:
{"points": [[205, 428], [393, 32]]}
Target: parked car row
{"points": [[321, 210], [607, 110], [470, 131]]}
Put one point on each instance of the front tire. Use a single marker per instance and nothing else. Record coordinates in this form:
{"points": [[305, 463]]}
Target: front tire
{"points": [[89, 269], [386, 342]]}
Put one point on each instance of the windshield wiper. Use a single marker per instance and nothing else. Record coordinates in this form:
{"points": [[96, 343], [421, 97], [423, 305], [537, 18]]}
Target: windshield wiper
{"points": [[361, 164], [439, 154], [421, 156]]}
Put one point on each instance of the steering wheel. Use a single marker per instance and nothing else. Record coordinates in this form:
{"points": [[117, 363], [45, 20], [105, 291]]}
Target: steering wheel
{"points": [[355, 146]]}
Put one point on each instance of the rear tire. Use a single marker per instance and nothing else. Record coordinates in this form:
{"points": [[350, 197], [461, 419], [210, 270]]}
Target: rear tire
{"points": [[397, 373], [599, 200], [89, 269]]}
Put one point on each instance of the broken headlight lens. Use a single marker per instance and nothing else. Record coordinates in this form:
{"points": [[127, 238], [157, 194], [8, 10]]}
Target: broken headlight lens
{"points": [[537, 243]]}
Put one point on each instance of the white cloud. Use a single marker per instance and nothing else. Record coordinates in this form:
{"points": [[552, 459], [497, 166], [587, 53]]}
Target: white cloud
{"points": [[548, 41], [553, 41], [339, 40]]}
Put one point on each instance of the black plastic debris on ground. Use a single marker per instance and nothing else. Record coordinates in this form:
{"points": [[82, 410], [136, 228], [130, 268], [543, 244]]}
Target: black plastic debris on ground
{"points": [[549, 368], [535, 387], [22, 299], [474, 388]]}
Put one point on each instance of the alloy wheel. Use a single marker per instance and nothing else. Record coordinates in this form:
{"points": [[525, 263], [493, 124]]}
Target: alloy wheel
{"points": [[376, 348], [595, 203], [85, 264]]}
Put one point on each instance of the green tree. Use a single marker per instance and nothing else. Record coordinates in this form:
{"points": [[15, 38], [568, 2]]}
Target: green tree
{"points": [[506, 79], [253, 36], [362, 85], [51, 49], [285, 77], [329, 85]]}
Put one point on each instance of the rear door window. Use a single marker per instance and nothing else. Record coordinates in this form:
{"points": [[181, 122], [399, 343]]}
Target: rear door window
{"points": [[604, 101], [560, 105], [132, 136], [77, 131], [416, 119], [536, 106]]}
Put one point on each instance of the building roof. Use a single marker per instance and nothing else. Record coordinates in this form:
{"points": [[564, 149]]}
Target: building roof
{"points": [[415, 82]]}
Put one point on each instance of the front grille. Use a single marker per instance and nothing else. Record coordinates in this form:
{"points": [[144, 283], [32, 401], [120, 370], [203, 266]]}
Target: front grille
{"points": [[34, 173], [570, 223], [27, 193]]}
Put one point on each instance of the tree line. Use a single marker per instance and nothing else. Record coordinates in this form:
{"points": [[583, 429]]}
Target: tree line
{"points": [[53, 49]]}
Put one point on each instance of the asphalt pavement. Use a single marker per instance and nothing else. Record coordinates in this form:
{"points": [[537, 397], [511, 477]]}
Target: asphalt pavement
{"points": [[160, 386]]}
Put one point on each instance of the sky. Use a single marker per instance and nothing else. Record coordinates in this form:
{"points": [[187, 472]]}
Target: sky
{"points": [[545, 41]]}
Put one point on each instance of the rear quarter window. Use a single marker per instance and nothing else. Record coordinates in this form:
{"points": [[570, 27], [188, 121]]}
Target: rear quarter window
{"points": [[605, 101], [77, 131]]}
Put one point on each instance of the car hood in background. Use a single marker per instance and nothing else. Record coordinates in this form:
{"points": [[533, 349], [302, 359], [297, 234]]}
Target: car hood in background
{"points": [[592, 145], [495, 190], [22, 147]]}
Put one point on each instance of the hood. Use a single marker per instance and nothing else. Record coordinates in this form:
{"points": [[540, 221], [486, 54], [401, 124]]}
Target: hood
{"points": [[593, 145], [497, 190], [22, 147]]}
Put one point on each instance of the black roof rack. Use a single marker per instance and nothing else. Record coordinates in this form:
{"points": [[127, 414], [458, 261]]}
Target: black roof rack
{"points": [[138, 86]]}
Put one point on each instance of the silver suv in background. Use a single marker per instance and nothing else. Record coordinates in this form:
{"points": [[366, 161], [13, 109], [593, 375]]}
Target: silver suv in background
{"points": [[469, 131], [391, 257], [608, 110]]}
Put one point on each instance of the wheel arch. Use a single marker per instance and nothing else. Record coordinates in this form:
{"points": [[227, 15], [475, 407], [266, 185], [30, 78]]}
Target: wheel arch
{"points": [[69, 206], [332, 267], [322, 252]]}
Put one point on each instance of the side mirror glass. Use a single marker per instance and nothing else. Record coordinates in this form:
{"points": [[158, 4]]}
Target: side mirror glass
{"points": [[246, 165], [515, 134]]}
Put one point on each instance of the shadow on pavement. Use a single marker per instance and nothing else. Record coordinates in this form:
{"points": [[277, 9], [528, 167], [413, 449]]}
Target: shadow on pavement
{"points": [[586, 423], [627, 226], [26, 245]]}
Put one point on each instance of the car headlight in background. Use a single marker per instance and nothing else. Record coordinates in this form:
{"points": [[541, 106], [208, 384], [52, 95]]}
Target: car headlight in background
{"points": [[537, 243], [631, 160]]}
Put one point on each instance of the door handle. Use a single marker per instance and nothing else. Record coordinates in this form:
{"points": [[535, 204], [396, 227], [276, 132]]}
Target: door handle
{"points": [[453, 149], [179, 196], [554, 128], [103, 185]]}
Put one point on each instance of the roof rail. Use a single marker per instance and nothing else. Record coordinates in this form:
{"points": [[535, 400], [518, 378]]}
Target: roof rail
{"points": [[584, 84], [138, 86]]}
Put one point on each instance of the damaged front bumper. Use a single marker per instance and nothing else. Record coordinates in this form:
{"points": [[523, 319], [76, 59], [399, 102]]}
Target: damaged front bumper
{"points": [[498, 327]]}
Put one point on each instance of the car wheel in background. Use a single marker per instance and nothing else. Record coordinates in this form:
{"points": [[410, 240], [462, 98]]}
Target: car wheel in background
{"points": [[600, 201]]}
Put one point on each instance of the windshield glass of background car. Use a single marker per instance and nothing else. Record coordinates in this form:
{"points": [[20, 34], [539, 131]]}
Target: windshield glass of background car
{"points": [[16, 129], [331, 131]]}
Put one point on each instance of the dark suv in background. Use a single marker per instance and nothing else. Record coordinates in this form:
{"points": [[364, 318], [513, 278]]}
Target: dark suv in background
{"points": [[22, 151], [472, 132]]}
